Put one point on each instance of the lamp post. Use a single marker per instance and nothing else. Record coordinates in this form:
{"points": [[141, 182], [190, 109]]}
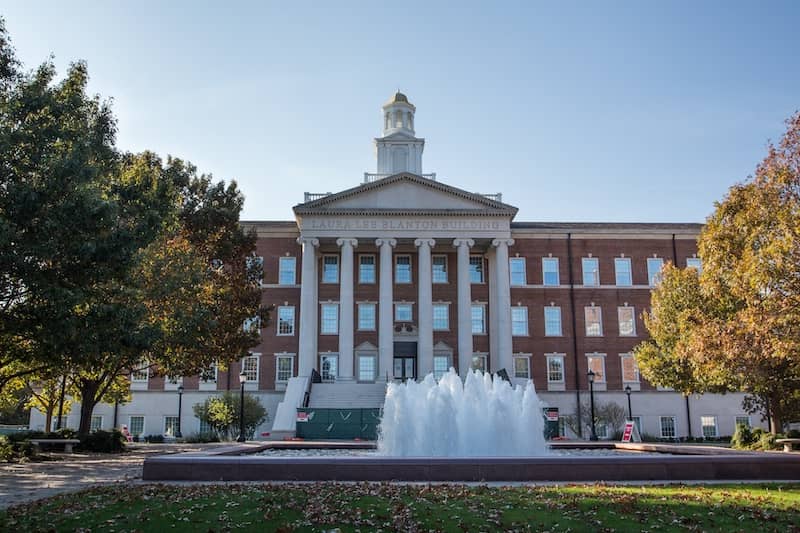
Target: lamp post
{"points": [[242, 381], [180, 398], [590, 374], [628, 392]]}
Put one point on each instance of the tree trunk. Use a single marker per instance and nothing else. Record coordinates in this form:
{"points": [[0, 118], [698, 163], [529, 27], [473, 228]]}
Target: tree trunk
{"points": [[88, 391], [48, 419], [776, 417]]}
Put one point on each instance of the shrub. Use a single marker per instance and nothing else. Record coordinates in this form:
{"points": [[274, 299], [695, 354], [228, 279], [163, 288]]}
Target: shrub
{"points": [[156, 439], [101, 441], [743, 437], [13, 449], [793, 434], [6, 450], [221, 413], [202, 437], [66, 433]]}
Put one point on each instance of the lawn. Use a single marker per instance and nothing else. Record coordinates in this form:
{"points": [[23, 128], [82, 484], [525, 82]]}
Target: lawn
{"points": [[400, 507]]}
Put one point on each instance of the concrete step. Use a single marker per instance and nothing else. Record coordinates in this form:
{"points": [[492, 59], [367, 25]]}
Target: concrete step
{"points": [[347, 395]]}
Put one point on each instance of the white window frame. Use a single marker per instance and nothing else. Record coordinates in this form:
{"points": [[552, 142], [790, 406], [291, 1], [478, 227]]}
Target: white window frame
{"points": [[551, 261], [397, 279], [695, 263], [434, 258], [175, 418], [330, 280], [703, 426], [446, 325], [324, 328], [654, 278], [322, 357], [208, 384], [130, 425], [555, 384], [586, 320], [448, 357], [477, 260], [253, 383], [600, 377], [98, 425], [287, 261], [736, 421], [618, 272], [636, 377], [674, 426], [560, 325], [482, 318], [290, 333], [144, 368], [484, 362], [283, 357], [373, 322], [516, 320], [403, 305], [620, 310], [595, 278], [527, 359], [523, 272], [361, 278], [252, 325], [364, 355]]}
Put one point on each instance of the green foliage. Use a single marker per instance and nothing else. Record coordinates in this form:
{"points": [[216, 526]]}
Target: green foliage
{"points": [[221, 413], [16, 447], [101, 441], [201, 437], [743, 437], [154, 439]]}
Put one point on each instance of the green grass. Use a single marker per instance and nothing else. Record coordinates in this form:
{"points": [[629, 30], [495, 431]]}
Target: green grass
{"points": [[393, 507]]}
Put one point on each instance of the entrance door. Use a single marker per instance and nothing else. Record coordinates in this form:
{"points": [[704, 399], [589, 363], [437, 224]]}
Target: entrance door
{"points": [[405, 360]]}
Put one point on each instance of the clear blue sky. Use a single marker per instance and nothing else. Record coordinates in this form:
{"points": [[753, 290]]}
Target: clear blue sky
{"points": [[575, 111]]}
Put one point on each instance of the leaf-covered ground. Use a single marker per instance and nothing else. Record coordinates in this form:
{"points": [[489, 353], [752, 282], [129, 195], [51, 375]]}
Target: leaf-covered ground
{"points": [[402, 507]]}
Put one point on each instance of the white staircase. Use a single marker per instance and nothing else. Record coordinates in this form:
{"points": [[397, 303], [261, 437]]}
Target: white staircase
{"points": [[347, 395], [286, 416]]}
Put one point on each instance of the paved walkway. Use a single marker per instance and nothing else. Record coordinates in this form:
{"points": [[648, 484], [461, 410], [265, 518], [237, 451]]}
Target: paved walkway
{"points": [[21, 483]]}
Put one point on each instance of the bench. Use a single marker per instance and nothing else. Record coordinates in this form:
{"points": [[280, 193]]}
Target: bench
{"points": [[68, 443], [787, 443]]}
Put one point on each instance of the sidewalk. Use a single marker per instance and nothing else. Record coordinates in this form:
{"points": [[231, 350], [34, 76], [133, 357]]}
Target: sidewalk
{"points": [[21, 483]]}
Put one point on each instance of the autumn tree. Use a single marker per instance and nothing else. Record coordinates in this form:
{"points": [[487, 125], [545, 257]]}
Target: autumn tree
{"points": [[737, 326]]}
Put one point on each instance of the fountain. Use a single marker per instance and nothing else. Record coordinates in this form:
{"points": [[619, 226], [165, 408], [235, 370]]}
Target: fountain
{"points": [[481, 417]]}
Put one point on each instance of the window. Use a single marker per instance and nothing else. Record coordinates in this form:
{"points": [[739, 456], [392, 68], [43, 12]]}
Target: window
{"points": [[654, 265], [440, 269], [594, 321], [330, 319], [402, 269], [441, 317], [286, 271], [550, 271], [330, 366], [476, 269], [205, 428], [601, 429], [141, 374], [366, 368], [555, 368], [562, 426], [284, 368], [441, 364], [552, 321], [136, 425], [366, 269], [709, 425], [171, 424], [330, 269], [743, 420], [667, 424], [478, 362], [519, 321], [96, 423], [622, 271], [286, 320], [637, 421], [516, 266], [630, 371], [522, 367], [255, 269], [209, 374], [402, 312], [478, 319], [252, 325], [54, 423], [250, 368], [597, 364], [695, 263], [627, 321], [366, 316], [591, 271]]}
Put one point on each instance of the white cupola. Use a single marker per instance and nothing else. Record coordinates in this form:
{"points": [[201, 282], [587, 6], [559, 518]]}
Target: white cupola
{"points": [[399, 150]]}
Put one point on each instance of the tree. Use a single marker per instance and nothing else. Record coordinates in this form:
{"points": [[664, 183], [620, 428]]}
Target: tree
{"points": [[611, 414], [45, 396], [737, 326], [221, 413]]}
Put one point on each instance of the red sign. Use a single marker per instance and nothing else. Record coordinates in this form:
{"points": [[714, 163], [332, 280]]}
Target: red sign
{"points": [[551, 414], [628, 433], [302, 417]]}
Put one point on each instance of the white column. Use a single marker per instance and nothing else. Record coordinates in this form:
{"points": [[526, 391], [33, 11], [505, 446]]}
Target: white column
{"points": [[385, 310], [504, 358], [464, 306], [425, 308], [307, 350], [346, 309]]}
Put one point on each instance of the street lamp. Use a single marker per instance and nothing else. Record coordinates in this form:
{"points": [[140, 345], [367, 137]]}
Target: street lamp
{"points": [[593, 435], [242, 381], [180, 397], [628, 392]]}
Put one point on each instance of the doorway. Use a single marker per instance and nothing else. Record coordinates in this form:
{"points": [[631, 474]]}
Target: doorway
{"points": [[405, 360]]}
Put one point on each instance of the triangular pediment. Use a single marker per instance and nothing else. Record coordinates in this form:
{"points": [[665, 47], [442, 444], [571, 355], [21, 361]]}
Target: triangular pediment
{"points": [[406, 192]]}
